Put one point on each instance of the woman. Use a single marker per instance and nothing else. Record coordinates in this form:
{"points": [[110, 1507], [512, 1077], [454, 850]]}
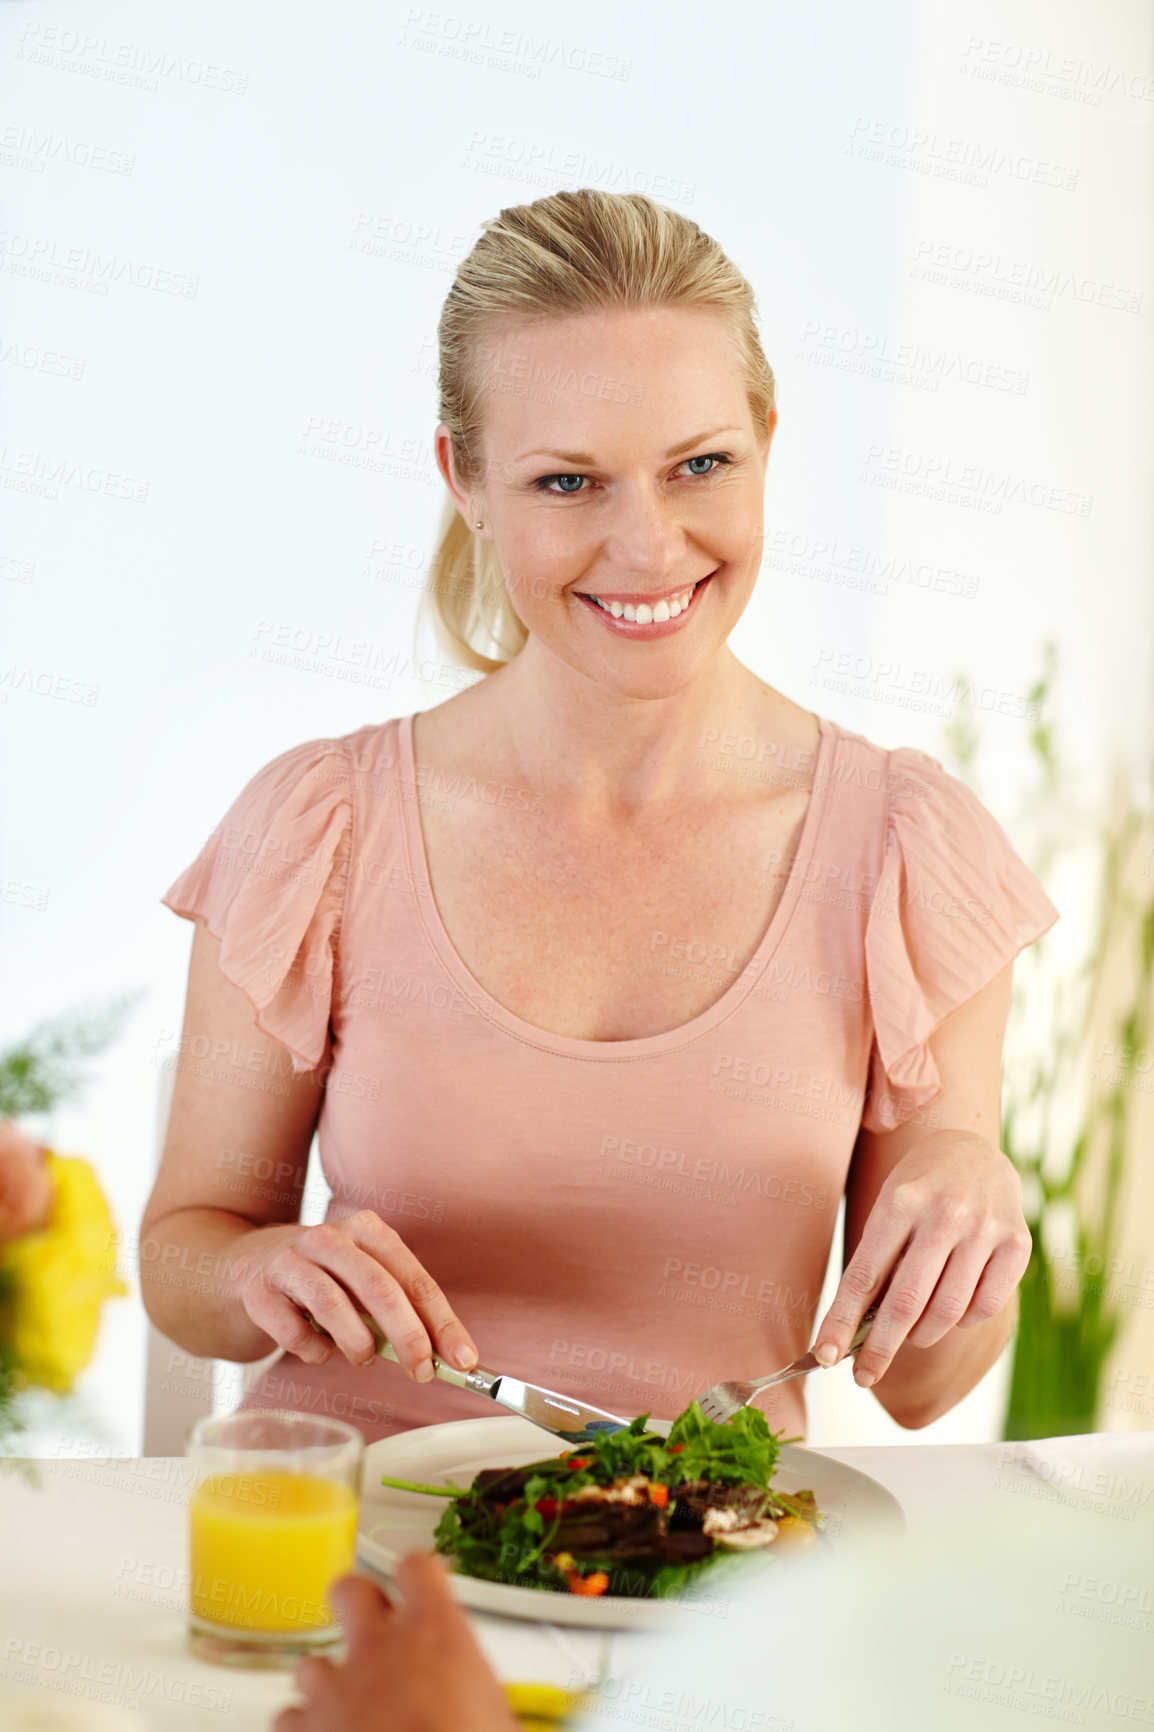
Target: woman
{"points": [[602, 980]]}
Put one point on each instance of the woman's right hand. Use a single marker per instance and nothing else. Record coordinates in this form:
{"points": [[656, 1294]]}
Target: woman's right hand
{"points": [[336, 1267]]}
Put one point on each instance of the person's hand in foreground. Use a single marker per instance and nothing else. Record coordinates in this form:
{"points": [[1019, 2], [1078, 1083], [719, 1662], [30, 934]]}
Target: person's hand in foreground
{"points": [[414, 1667], [25, 1184]]}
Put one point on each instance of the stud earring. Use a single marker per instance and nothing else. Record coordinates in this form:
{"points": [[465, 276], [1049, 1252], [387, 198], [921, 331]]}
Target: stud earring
{"points": [[480, 525]]}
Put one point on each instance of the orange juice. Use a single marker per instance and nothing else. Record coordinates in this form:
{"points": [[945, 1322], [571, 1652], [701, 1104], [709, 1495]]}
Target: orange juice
{"points": [[266, 1547]]}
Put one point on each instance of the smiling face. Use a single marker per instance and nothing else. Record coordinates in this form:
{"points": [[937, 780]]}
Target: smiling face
{"points": [[627, 503]]}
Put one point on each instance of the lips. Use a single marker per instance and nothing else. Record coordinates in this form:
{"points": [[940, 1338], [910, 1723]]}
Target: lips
{"points": [[602, 604]]}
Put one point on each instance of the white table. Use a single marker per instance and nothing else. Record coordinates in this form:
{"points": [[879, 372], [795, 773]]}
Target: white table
{"points": [[93, 1562]]}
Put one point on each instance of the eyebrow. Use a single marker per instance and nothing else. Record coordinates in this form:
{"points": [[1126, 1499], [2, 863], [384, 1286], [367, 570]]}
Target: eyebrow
{"points": [[584, 457]]}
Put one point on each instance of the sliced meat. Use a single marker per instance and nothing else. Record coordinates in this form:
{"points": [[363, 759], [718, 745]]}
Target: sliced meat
{"points": [[619, 1530], [501, 1484]]}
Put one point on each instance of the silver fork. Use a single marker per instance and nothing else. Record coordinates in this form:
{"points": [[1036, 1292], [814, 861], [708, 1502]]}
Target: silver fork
{"points": [[725, 1399]]}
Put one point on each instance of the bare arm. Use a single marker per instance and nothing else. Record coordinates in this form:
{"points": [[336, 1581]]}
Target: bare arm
{"points": [[935, 1211], [226, 1267], [208, 1209]]}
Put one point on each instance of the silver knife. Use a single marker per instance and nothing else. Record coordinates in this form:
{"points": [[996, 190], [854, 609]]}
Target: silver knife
{"points": [[566, 1417]]}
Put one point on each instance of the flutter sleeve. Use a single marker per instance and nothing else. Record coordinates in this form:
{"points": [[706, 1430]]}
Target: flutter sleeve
{"points": [[953, 904], [270, 884]]}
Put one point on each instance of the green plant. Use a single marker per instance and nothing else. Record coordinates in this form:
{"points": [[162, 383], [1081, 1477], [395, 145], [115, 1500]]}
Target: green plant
{"points": [[44, 1068], [1068, 1320]]}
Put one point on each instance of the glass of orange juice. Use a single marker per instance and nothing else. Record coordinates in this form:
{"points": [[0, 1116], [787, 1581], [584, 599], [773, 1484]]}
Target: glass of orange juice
{"points": [[273, 1506]]}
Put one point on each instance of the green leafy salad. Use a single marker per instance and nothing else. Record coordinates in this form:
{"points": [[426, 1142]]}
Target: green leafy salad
{"points": [[629, 1513]]}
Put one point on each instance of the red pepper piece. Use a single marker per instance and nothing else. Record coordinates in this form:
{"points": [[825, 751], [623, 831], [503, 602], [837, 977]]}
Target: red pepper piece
{"points": [[588, 1585]]}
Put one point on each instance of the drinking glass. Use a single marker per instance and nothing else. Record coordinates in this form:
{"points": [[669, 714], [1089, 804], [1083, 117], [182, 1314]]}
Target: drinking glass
{"points": [[273, 1507]]}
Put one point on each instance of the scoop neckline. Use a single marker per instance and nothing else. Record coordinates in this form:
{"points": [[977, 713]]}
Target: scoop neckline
{"points": [[611, 1051]]}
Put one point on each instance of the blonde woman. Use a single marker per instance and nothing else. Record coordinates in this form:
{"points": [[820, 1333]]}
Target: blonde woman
{"points": [[596, 1026]]}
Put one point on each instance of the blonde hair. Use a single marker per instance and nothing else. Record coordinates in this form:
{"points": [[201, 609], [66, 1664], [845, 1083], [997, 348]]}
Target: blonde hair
{"points": [[572, 252]]}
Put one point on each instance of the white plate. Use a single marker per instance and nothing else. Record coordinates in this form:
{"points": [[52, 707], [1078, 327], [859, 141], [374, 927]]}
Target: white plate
{"points": [[394, 1522]]}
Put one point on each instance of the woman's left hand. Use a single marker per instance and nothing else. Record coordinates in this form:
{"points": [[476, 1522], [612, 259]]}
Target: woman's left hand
{"points": [[947, 1242]]}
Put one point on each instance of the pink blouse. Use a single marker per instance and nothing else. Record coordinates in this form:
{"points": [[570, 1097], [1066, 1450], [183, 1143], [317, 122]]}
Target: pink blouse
{"points": [[624, 1221]]}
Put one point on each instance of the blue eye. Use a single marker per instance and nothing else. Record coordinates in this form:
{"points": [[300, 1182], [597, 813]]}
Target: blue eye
{"points": [[544, 483], [713, 457]]}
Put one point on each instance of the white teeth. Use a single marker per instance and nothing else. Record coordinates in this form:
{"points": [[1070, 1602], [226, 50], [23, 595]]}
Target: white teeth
{"points": [[642, 614]]}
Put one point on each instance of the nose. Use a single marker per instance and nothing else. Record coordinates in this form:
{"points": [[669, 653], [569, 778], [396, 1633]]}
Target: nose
{"points": [[644, 537]]}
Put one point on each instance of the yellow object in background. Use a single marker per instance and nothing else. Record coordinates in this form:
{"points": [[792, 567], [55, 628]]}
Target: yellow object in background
{"points": [[539, 1706], [61, 1275], [266, 1547]]}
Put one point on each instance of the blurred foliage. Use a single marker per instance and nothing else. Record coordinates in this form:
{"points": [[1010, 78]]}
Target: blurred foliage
{"points": [[1067, 1321], [47, 1065]]}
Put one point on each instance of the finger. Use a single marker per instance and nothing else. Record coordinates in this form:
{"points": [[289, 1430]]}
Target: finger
{"points": [[426, 1582], [357, 1592], [451, 1340], [289, 1720], [953, 1293], [910, 1287], [274, 1312], [308, 1273], [313, 1676], [863, 1278], [365, 1611], [997, 1285], [378, 1267], [360, 1280]]}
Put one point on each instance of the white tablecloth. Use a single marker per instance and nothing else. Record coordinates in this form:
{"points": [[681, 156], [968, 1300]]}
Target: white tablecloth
{"points": [[93, 1601]]}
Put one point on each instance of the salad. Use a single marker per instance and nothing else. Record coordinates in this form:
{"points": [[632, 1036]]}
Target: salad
{"points": [[631, 1513]]}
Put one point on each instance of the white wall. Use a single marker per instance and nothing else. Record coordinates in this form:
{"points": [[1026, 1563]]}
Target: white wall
{"points": [[227, 235]]}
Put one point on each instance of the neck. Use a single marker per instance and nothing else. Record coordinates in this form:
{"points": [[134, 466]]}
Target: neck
{"points": [[616, 753]]}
